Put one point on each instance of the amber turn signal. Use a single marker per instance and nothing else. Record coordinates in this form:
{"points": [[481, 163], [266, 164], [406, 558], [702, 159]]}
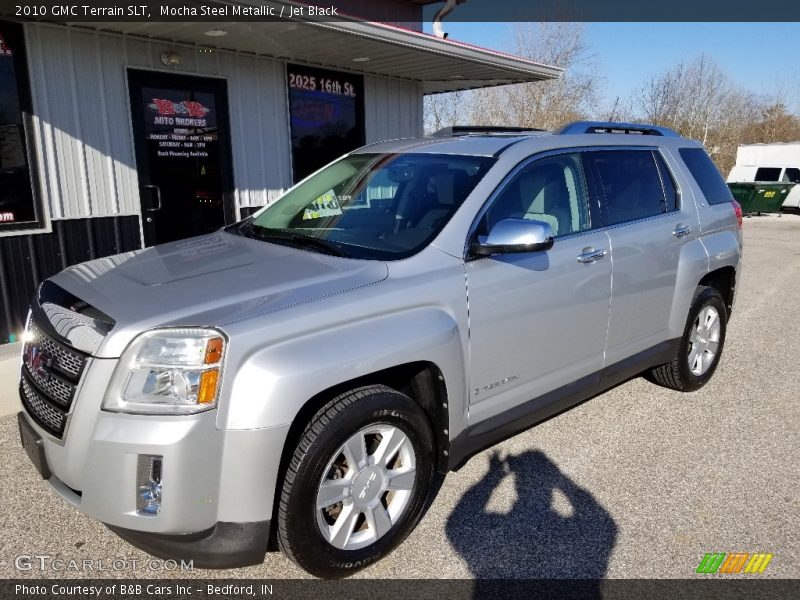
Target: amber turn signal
{"points": [[213, 351], [208, 387]]}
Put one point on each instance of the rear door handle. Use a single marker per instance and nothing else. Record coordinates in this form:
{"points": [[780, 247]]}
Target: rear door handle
{"points": [[591, 256], [681, 230]]}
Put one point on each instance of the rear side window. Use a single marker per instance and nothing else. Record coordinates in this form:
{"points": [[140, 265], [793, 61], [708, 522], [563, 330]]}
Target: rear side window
{"points": [[706, 175], [768, 174], [631, 184]]}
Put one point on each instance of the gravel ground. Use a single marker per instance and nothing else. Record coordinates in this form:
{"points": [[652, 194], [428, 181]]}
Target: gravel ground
{"points": [[639, 482]]}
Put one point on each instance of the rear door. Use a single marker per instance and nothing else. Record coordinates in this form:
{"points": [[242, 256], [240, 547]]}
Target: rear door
{"points": [[647, 227]]}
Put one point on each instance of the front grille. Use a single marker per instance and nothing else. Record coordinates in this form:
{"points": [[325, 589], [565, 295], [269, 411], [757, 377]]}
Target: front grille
{"points": [[68, 361], [50, 375], [43, 412]]}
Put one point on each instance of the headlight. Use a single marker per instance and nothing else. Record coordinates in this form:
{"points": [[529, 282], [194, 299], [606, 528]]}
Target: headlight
{"points": [[168, 371]]}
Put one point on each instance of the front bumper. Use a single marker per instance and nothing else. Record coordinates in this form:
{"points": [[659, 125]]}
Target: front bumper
{"points": [[218, 486], [223, 546]]}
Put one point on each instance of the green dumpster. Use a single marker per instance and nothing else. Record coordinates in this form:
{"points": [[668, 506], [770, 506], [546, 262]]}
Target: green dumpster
{"points": [[759, 197]]}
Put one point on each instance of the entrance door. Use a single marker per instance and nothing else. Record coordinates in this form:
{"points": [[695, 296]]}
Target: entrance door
{"points": [[183, 156]]}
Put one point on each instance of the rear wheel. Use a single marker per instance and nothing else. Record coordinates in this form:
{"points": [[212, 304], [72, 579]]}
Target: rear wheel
{"points": [[357, 483], [701, 345]]}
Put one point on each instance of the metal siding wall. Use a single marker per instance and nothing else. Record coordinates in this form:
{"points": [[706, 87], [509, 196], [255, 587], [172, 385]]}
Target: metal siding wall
{"points": [[82, 118], [27, 260], [393, 108], [260, 125]]}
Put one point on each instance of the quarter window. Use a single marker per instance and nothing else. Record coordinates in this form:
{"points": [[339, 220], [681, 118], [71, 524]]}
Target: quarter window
{"points": [[551, 190], [631, 185], [18, 209], [706, 175]]}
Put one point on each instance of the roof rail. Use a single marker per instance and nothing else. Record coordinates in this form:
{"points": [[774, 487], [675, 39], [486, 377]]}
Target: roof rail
{"points": [[459, 130], [614, 127]]}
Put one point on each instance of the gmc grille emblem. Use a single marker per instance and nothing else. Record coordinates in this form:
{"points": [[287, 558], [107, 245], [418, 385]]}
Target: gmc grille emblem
{"points": [[38, 361]]}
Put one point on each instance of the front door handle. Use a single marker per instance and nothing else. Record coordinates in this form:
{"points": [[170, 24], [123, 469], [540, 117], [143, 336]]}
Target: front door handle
{"points": [[157, 207], [590, 256], [681, 230]]}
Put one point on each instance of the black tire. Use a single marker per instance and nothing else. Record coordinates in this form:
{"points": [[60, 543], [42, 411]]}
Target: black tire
{"points": [[676, 374], [299, 536]]}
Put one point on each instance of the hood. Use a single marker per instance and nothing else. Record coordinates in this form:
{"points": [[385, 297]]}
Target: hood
{"points": [[207, 281]]}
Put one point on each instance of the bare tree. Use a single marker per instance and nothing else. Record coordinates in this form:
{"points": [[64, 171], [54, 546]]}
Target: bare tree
{"points": [[444, 110], [543, 104]]}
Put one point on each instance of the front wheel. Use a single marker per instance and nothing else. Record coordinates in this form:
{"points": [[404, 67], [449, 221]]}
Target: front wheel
{"points": [[357, 483], [701, 345]]}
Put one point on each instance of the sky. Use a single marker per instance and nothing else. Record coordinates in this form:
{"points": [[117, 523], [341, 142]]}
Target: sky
{"points": [[756, 55]]}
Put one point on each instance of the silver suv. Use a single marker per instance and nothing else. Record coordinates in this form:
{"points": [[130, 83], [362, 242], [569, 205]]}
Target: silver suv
{"points": [[301, 378]]}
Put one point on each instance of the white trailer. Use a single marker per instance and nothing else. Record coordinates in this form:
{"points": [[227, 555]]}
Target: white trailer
{"points": [[769, 163]]}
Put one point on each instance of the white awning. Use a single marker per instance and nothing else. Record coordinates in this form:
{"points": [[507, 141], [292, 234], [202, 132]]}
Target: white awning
{"points": [[441, 65]]}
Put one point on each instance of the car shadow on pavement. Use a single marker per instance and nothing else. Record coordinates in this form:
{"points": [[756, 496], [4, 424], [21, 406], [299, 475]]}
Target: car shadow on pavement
{"points": [[555, 529]]}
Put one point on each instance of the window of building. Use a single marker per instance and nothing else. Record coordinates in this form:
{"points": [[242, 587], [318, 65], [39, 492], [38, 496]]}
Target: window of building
{"points": [[631, 185], [326, 110], [706, 175], [768, 174], [18, 208]]}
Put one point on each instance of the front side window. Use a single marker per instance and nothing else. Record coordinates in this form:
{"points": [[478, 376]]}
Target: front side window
{"points": [[371, 206], [17, 206], [631, 184], [551, 190]]}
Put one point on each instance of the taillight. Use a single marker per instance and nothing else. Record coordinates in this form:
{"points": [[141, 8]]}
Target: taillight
{"points": [[738, 208]]}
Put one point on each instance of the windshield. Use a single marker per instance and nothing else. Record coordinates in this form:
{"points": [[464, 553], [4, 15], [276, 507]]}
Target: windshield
{"points": [[373, 206]]}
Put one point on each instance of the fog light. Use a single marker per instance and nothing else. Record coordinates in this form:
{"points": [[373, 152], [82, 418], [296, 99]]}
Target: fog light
{"points": [[148, 485]]}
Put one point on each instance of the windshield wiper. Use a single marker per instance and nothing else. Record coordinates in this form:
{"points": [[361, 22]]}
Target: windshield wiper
{"points": [[280, 235]]}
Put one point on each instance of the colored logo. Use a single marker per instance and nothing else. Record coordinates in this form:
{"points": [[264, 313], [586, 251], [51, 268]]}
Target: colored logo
{"points": [[187, 108], [734, 562], [38, 361]]}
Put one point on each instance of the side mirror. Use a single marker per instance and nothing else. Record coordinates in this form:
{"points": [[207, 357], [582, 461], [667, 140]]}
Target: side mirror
{"points": [[514, 236]]}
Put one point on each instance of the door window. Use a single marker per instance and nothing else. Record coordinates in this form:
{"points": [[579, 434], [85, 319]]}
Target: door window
{"points": [[631, 185], [181, 134], [551, 190]]}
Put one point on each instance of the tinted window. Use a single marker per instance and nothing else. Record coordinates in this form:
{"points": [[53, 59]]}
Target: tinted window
{"points": [[631, 184], [791, 176], [16, 196], [706, 175], [670, 191], [768, 174], [373, 206], [326, 110], [550, 190]]}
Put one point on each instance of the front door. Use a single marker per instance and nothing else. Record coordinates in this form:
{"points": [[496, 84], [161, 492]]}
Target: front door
{"points": [[538, 320], [181, 135]]}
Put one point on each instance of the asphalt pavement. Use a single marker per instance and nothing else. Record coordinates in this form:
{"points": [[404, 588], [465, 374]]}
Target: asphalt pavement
{"points": [[639, 482]]}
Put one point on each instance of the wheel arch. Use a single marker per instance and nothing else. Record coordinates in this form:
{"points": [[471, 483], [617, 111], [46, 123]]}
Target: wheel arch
{"points": [[423, 381], [724, 281]]}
